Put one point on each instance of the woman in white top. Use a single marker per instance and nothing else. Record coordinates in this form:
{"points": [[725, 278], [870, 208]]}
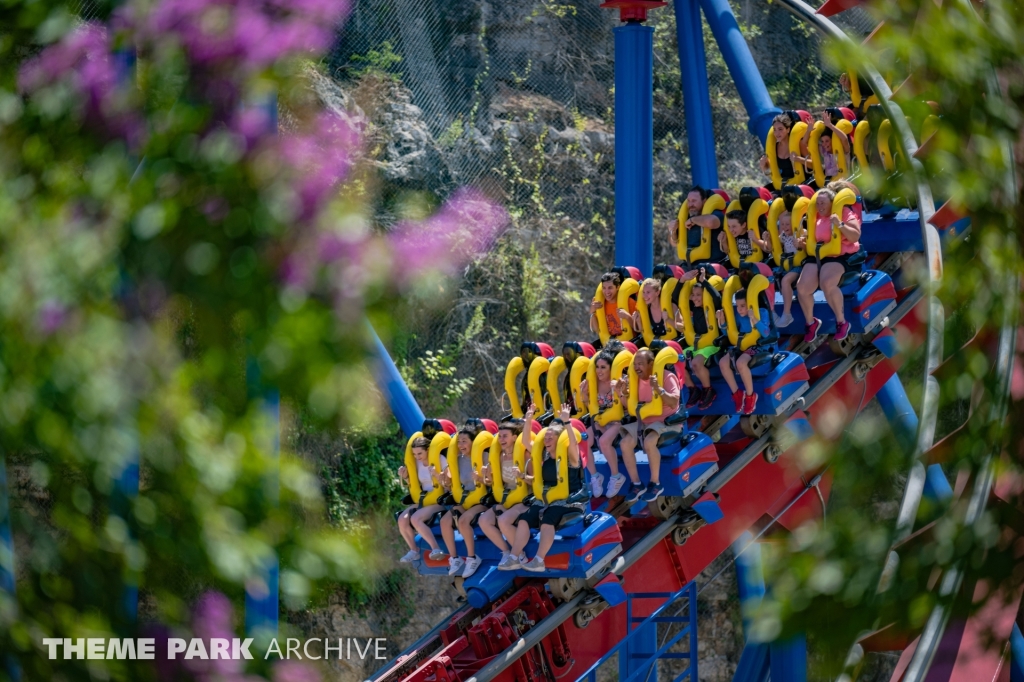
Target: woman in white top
{"points": [[414, 519], [508, 432]]}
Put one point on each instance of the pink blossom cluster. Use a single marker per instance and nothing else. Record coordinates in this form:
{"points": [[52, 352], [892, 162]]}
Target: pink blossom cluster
{"points": [[85, 62], [244, 34], [321, 158]]}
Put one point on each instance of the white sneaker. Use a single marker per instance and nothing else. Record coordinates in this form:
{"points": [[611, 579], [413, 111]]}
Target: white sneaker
{"points": [[410, 556], [596, 485], [509, 563], [784, 321], [615, 484], [455, 564], [472, 564]]}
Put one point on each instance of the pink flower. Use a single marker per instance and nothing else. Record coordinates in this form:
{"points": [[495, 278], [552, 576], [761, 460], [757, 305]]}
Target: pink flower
{"points": [[464, 228]]}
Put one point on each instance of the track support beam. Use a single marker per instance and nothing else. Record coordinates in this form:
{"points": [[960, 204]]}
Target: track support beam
{"points": [[693, 70]]}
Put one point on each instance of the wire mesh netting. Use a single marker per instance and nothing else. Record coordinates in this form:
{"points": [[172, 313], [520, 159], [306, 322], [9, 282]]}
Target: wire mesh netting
{"points": [[516, 98]]}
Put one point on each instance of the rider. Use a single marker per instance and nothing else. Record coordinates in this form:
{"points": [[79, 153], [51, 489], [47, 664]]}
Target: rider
{"points": [[605, 435], [508, 432], [457, 513], [613, 314], [696, 197], [414, 518], [547, 516], [649, 429]]}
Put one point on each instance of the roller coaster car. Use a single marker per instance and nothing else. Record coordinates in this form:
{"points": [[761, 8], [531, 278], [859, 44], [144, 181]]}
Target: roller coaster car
{"points": [[779, 377], [585, 543], [688, 460], [867, 295], [534, 359]]}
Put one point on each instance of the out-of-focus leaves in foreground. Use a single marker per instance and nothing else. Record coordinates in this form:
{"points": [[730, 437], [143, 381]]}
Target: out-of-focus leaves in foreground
{"points": [[963, 61], [165, 259]]}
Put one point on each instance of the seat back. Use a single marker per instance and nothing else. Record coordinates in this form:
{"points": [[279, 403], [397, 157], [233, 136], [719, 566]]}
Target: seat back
{"points": [[709, 309], [796, 137], [616, 412], [468, 492], [860, 138], [884, 145], [520, 490], [758, 207], [438, 447], [776, 209], [842, 160], [646, 324], [716, 202], [664, 358], [814, 150], [560, 491], [630, 287], [772, 153], [833, 247]]}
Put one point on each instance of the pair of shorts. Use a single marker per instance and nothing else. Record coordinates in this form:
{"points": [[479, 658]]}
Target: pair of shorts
{"points": [[656, 427], [843, 260], [539, 515], [707, 353]]}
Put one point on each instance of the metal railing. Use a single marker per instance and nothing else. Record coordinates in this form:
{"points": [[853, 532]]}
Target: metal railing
{"points": [[689, 591]]}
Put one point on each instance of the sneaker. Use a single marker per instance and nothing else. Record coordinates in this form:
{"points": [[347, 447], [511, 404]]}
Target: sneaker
{"points": [[596, 485], [708, 398], [615, 484], [737, 398], [534, 565], [410, 556], [653, 492], [438, 555], [784, 321], [634, 492], [455, 564], [472, 564], [694, 397], [842, 331], [812, 330], [509, 563], [749, 403]]}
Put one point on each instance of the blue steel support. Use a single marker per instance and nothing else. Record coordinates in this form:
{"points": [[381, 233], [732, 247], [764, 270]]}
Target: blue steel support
{"points": [[9, 663], [753, 665], [903, 421], [398, 395], [261, 591], [634, 146], [749, 577], [789, 659], [1016, 655], [756, 100], [638, 653], [262, 601], [693, 69]]}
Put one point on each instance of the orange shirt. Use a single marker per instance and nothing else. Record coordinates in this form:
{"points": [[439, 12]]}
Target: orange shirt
{"points": [[611, 316]]}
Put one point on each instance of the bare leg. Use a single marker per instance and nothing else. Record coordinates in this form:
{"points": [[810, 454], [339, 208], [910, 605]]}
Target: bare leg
{"points": [[488, 524], [591, 464], [701, 371], [406, 529], [743, 367], [547, 538], [522, 538], [788, 280], [466, 528], [607, 447], [653, 456], [448, 533], [506, 522], [628, 445], [805, 288], [725, 365], [419, 522], [831, 273]]}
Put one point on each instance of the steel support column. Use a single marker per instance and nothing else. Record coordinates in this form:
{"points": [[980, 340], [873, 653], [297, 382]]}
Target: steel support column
{"points": [[789, 659], [634, 146], [756, 100], [262, 594], [391, 384], [693, 70], [903, 421], [749, 577], [1016, 655]]}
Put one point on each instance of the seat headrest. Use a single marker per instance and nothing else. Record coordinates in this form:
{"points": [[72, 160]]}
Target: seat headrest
{"points": [[630, 346], [748, 195], [581, 347], [804, 116], [790, 193], [490, 425], [546, 350], [722, 193], [536, 348]]}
